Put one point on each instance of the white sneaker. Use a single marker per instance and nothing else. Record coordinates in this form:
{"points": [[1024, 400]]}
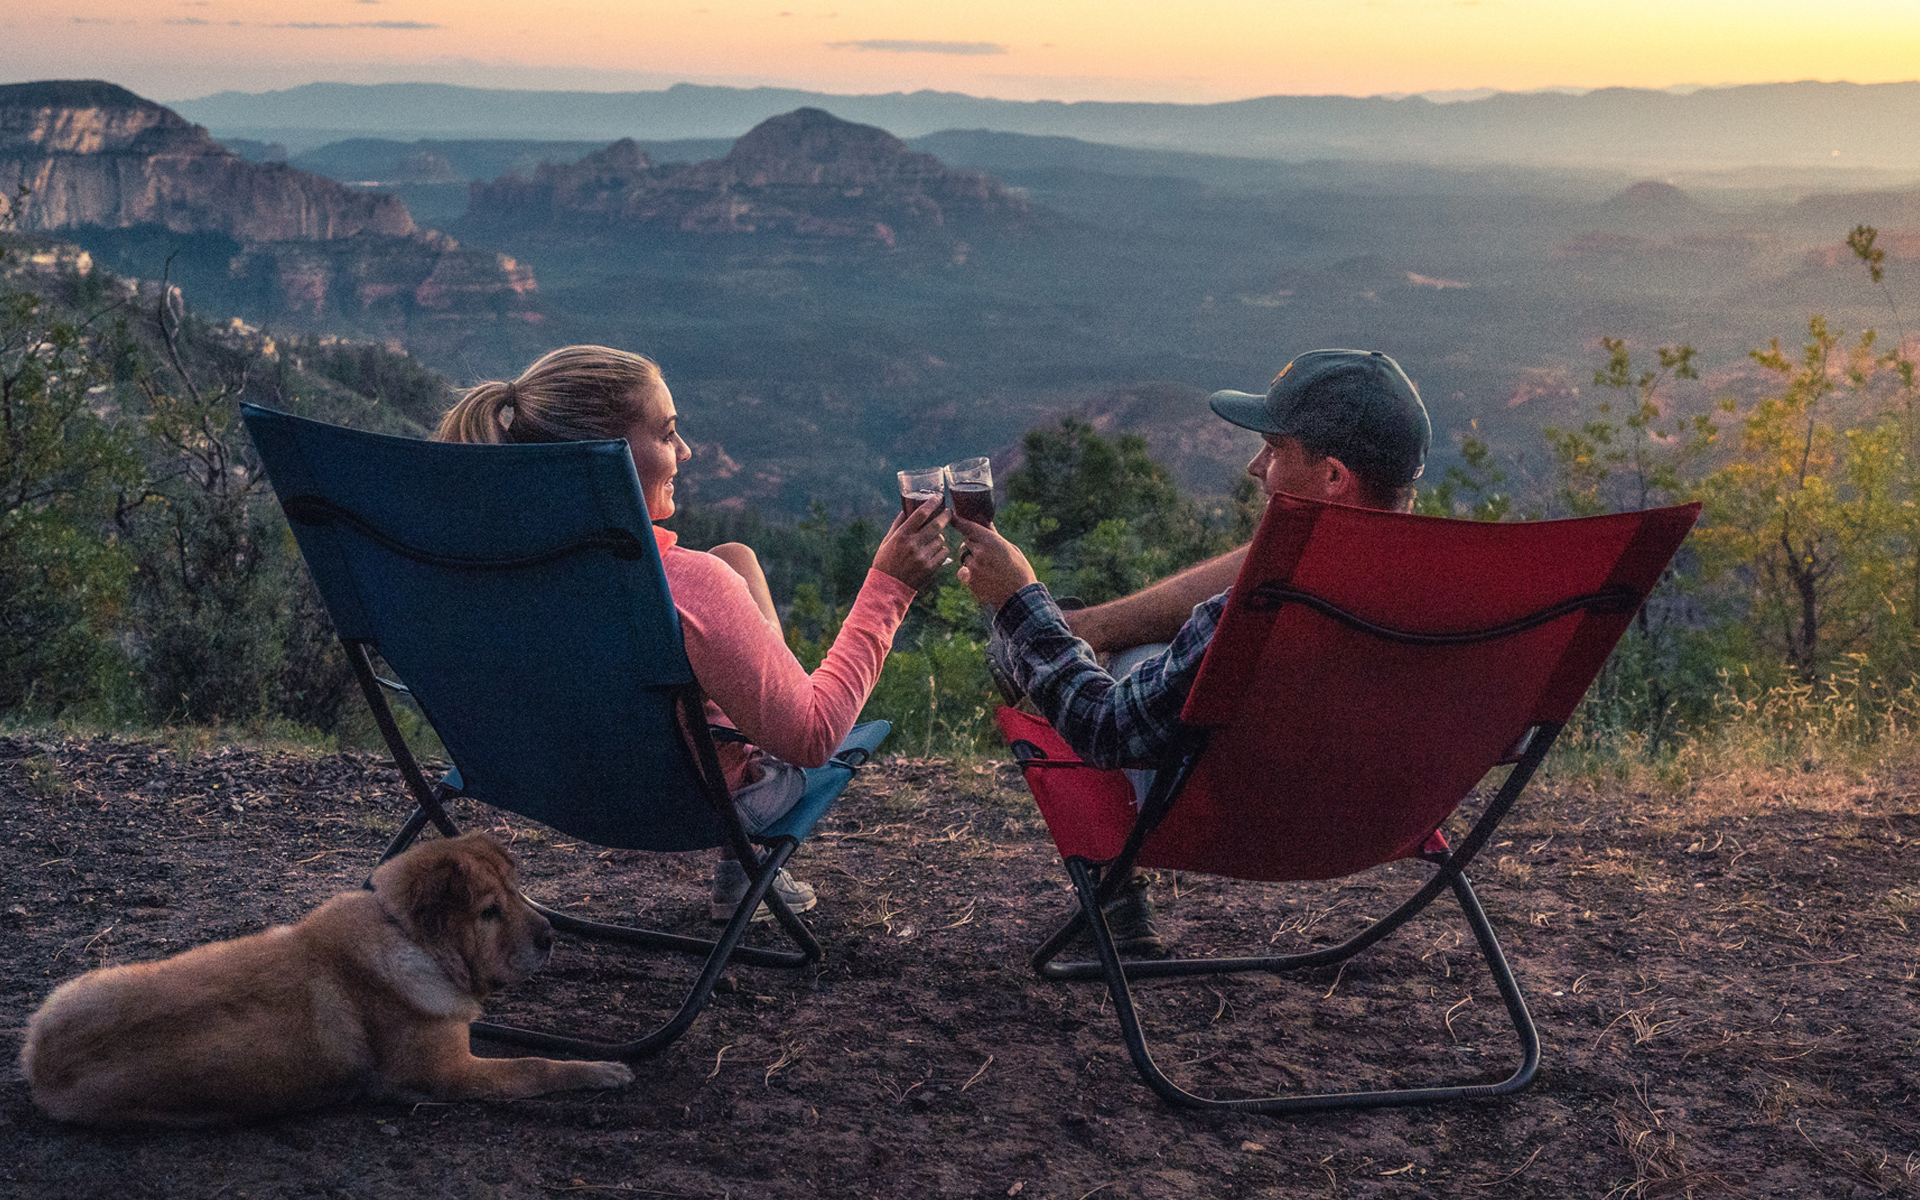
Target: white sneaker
{"points": [[730, 888]]}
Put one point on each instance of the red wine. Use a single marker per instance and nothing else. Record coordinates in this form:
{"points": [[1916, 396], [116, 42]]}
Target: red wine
{"points": [[973, 502], [912, 500]]}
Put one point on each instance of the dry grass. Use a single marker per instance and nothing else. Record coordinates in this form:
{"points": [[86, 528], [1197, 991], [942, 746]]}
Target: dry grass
{"points": [[1725, 1000]]}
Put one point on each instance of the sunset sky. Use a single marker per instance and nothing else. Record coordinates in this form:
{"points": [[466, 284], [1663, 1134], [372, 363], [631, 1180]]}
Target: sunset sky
{"points": [[1194, 50]]}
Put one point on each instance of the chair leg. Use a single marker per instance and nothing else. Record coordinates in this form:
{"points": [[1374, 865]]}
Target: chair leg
{"points": [[1173, 968], [1503, 978], [416, 824], [720, 953], [1116, 975]]}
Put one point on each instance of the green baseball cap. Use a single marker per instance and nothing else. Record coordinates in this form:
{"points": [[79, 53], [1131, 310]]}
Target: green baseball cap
{"points": [[1354, 405]]}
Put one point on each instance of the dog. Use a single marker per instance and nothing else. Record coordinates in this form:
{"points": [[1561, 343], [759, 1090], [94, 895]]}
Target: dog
{"points": [[368, 997]]}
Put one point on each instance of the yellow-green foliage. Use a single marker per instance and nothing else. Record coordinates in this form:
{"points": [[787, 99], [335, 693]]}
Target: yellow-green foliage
{"points": [[1811, 515]]}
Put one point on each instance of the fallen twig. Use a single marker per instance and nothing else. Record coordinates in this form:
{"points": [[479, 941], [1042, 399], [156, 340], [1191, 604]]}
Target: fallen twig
{"points": [[1514, 1175], [977, 1074]]}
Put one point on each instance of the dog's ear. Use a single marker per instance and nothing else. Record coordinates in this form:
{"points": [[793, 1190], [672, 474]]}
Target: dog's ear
{"points": [[439, 894]]}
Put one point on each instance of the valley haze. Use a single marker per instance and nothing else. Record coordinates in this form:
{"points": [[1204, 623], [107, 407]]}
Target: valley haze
{"points": [[832, 302]]}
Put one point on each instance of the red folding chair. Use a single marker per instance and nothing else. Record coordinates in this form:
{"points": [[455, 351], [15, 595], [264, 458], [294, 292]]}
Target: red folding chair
{"points": [[1369, 670]]}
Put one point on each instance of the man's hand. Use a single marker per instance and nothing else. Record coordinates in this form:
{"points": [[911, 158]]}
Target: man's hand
{"points": [[991, 566]]}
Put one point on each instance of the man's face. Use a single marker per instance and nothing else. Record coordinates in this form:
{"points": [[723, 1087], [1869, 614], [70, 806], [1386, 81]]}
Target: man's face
{"points": [[1285, 465]]}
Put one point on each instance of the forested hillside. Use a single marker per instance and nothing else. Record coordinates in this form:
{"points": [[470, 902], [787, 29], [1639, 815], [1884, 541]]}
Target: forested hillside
{"points": [[149, 577]]}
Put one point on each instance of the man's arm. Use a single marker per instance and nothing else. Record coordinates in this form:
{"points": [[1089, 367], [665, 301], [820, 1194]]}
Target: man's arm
{"points": [[1108, 722], [1131, 721], [1155, 613]]}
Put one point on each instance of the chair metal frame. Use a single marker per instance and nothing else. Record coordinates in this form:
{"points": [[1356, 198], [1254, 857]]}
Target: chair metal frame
{"points": [[309, 513], [1097, 883], [430, 800]]}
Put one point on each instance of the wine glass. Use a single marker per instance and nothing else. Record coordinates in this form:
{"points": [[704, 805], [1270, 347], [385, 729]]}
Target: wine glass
{"points": [[970, 487], [918, 487]]}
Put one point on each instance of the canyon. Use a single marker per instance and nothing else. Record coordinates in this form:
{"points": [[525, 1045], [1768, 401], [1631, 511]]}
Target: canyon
{"points": [[90, 161]]}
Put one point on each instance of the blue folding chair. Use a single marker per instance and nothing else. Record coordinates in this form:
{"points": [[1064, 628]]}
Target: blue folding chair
{"points": [[518, 592]]}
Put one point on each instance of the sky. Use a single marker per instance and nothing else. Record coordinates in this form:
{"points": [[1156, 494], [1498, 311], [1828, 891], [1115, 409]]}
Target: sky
{"points": [[1154, 50]]}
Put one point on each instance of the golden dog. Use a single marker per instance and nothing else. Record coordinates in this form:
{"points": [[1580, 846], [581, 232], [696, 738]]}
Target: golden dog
{"points": [[368, 997]]}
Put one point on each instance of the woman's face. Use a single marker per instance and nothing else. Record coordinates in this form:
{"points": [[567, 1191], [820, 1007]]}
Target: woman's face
{"points": [[654, 439]]}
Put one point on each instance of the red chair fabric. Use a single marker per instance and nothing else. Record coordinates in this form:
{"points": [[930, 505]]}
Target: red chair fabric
{"points": [[1369, 670], [1332, 750]]}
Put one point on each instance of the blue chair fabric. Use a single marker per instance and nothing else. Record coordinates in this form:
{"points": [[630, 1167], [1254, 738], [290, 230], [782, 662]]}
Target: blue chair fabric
{"points": [[518, 593]]}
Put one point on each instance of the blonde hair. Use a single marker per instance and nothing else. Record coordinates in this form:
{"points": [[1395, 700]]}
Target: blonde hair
{"points": [[573, 394]]}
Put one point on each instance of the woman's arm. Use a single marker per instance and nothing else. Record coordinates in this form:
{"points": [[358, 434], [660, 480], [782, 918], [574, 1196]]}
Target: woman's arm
{"points": [[742, 660], [745, 666]]}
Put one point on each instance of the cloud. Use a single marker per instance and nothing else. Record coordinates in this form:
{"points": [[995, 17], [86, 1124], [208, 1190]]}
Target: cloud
{"points": [[183, 21], [354, 25], [894, 47]]}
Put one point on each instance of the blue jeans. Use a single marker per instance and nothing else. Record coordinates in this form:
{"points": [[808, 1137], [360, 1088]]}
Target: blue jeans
{"points": [[999, 659], [768, 798]]}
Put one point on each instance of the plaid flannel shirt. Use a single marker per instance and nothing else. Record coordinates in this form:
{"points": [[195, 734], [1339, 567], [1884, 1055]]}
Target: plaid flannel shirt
{"points": [[1109, 722]]}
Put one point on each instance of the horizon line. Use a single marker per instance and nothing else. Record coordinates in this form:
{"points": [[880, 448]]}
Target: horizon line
{"points": [[1432, 95]]}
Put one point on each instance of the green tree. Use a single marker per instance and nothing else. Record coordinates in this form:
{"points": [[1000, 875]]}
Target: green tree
{"points": [[1663, 673], [1108, 518], [1079, 478], [1625, 465], [213, 601], [1862, 242], [1471, 488], [1811, 516], [66, 456]]}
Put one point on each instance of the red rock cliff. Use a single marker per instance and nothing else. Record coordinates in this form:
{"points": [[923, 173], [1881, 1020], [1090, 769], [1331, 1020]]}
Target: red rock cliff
{"points": [[805, 173], [94, 154]]}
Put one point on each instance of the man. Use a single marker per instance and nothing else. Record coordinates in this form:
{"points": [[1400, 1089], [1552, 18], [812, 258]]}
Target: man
{"points": [[1345, 426]]}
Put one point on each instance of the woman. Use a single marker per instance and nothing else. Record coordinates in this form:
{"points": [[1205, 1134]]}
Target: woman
{"points": [[732, 632]]}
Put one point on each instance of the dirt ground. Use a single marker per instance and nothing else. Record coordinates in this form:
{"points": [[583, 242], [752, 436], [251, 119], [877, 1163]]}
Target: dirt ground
{"points": [[1726, 990]]}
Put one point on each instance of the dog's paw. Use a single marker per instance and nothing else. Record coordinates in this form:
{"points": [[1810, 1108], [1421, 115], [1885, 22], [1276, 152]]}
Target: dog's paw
{"points": [[606, 1075]]}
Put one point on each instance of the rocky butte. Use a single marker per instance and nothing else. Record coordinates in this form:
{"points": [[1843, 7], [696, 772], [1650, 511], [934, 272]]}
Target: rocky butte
{"points": [[805, 174], [93, 156]]}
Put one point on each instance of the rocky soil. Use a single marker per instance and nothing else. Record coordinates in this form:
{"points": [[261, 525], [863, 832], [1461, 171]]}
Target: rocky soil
{"points": [[1726, 987]]}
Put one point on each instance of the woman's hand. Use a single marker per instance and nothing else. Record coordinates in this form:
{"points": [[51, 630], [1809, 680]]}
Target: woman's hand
{"points": [[991, 566], [913, 550]]}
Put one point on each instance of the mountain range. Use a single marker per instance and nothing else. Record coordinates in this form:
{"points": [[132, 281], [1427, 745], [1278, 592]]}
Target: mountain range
{"points": [[1805, 124], [1020, 277], [805, 173]]}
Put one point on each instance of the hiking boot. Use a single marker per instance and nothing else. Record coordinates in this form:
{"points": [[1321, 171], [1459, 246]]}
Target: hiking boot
{"points": [[1130, 921], [730, 888]]}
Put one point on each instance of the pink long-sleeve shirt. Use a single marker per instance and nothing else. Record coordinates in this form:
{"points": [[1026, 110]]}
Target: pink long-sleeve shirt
{"points": [[752, 680]]}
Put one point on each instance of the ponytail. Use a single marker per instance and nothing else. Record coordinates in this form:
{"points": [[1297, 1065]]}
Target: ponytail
{"points": [[573, 394], [484, 414]]}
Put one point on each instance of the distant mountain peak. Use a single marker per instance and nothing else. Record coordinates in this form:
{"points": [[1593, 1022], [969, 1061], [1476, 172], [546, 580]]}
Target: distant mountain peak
{"points": [[811, 145], [623, 155], [73, 93], [91, 116], [804, 173], [1652, 194]]}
